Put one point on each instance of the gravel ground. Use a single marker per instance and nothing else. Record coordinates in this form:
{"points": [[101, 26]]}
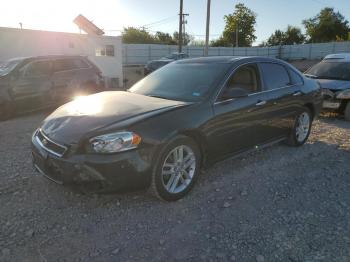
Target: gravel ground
{"points": [[278, 204]]}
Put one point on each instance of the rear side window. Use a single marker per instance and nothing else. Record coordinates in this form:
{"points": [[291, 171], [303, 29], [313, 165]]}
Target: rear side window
{"points": [[296, 79], [275, 75], [64, 65]]}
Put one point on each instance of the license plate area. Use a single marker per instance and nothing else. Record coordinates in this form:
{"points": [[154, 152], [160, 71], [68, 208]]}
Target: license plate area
{"points": [[331, 105], [42, 166]]}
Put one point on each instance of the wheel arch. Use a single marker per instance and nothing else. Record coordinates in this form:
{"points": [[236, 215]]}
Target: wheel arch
{"points": [[312, 109], [200, 141]]}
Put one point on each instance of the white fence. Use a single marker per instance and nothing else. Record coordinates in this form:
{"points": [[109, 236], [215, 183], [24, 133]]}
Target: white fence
{"points": [[141, 54]]}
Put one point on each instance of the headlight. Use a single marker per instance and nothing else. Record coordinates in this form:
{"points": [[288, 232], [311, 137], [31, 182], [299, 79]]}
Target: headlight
{"points": [[116, 142], [345, 94]]}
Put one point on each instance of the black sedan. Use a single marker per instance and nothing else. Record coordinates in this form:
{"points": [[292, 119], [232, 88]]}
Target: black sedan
{"points": [[176, 121]]}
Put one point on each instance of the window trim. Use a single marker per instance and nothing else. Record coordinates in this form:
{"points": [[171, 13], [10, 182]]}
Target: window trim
{"points": [[223, 86]]}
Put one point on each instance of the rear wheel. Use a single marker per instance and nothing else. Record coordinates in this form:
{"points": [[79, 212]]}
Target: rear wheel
{"points": [[176, 170], [347, 111], [301, 129]]}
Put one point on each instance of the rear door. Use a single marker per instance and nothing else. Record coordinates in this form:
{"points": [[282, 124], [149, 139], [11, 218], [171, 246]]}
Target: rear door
{"points": [[65, 78], [283, 91], [32, 88], [239, 124]]}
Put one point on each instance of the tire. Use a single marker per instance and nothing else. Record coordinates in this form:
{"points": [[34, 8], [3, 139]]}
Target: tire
{"points": [[6, 111], [347, 111], [172, 180], [301, 128]]}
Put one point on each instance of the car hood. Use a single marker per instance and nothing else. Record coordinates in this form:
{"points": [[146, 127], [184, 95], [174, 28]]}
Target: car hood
{"points": [[334, 84], [85, 115]]}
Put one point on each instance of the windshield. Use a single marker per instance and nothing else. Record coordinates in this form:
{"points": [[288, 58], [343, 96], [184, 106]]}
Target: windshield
{"points": [[172, 56], [330, 70], [7, 66], [182, 82]]}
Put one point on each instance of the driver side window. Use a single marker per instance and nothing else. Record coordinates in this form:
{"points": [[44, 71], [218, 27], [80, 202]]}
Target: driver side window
{"points": [[245, 77]]}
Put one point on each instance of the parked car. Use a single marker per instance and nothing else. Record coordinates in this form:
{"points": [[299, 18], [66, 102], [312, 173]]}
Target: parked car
{"points": [[333, 74], [156, 64], [31, 83], [179, 119]]}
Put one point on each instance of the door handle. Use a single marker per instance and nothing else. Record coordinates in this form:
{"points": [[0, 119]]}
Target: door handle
{"points": [[298, 93], [261, 103]]}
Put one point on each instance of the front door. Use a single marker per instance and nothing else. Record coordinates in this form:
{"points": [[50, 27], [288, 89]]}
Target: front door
{"points": [[31, 89], [239, 123]]}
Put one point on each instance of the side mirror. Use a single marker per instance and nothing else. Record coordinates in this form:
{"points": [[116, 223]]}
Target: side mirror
{"points": [[236, 92]]}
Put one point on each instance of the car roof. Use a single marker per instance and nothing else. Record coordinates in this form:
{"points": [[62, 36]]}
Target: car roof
{"points": [[344, 57], [46, 57], [228, 59]]}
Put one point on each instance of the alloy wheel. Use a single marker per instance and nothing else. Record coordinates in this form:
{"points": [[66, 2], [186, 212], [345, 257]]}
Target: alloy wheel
{"points": [[303, 127], [178, 169]]}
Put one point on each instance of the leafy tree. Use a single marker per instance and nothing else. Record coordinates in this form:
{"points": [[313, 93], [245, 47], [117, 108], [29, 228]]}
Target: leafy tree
{"points": [[132, 35], [291, 36], [242, 18], [327, 26], [164, 38], [186, 38], [277, 38], [198, 42]]}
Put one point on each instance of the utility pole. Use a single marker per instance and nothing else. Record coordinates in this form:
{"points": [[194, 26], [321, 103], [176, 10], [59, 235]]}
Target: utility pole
{"points": [[180, 26], [206, 49], [184, 22]]}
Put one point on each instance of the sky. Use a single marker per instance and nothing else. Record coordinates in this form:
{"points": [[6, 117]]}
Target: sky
{"points": [[114, 15]]}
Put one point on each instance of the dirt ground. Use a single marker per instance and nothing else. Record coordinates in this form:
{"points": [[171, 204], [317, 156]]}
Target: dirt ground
{"points": [[277, 204]]}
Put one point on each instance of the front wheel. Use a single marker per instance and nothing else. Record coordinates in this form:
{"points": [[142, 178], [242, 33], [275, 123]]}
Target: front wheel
{"points": [[301, 128], [176, 170]]}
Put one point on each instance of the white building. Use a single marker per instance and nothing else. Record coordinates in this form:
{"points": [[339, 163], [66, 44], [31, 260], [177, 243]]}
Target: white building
{"points": [[104, 51]]}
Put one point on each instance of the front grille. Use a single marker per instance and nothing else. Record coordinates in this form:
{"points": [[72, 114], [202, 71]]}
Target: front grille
{"points": [[49, 145]]}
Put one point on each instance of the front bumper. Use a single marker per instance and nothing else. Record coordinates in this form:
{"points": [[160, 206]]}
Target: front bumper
{"points": [[131, 169], [332, 104], [333, 99]]}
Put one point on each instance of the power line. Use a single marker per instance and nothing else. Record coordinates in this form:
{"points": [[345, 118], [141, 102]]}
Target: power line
{"points": [[159, 22]]}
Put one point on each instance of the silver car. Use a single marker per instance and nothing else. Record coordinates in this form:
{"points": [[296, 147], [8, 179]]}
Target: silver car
{"points": [[333, 75]]}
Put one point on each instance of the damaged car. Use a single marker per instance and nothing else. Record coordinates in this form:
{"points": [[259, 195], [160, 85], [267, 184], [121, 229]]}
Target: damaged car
{"points": [[333, 75], [183, 117], [32, 83]]}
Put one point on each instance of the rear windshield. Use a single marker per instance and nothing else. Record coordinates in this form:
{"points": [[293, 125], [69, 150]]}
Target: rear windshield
{"points": [[330, 70], [182, 82]]}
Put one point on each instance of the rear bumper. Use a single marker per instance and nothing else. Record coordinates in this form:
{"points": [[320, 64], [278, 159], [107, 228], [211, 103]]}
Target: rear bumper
{"points": [[130, 169]]}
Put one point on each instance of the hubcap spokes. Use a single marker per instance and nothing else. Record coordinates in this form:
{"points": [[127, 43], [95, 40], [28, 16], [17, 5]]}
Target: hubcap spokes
{"points": [[303, 127], [178, 169]]}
